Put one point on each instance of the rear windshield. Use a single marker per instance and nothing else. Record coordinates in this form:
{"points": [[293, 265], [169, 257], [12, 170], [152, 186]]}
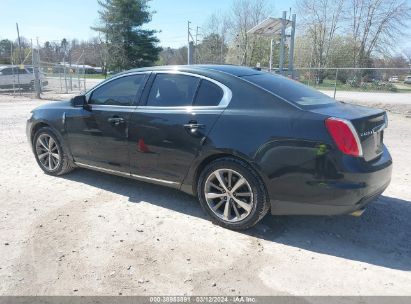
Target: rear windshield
{"points": [[290, 90]]}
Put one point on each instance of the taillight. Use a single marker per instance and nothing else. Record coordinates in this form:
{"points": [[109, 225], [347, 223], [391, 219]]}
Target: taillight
{"points": [[345, 136]]}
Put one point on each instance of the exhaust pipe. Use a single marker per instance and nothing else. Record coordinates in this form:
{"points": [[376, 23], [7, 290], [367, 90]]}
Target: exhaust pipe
{"points": [[358, 213]]}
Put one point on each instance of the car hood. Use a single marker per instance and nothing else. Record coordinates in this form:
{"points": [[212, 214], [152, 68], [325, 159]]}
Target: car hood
{"points": [[55, 105]]}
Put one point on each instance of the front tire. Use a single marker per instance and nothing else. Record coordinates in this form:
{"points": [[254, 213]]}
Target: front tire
{"points": [[232, 194], [50, 154]]}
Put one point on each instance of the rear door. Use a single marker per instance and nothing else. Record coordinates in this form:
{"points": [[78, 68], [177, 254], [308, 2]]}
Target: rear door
{"points": [[169, 128], [98, 136], [25, 76]]}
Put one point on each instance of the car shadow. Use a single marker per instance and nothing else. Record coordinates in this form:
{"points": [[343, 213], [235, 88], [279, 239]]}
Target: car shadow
{"points": [[382, 236]]}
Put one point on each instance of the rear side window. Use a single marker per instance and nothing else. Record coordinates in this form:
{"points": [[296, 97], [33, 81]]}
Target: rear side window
{"points": [[209, 94], [119, 92], [173, 90], [291, 90]]}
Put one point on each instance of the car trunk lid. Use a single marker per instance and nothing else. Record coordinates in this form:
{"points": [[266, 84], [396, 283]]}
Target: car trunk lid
{"points": [[368, 123]]}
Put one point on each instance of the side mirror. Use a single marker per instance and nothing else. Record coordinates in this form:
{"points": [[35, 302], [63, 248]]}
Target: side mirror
{"points": [[79, 101]]}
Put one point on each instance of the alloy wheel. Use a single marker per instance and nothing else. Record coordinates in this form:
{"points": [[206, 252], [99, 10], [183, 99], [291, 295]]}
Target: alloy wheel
{"points": [[47, 152], [229, 195]]}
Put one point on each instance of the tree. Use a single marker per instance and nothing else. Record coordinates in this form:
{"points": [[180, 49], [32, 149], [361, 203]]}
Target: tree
{"points": [[320, 20], [128, 44], [214, 46], [169, 56], [376, 26], [5, 51], [245, 14], [212, 49], [407, 54]]}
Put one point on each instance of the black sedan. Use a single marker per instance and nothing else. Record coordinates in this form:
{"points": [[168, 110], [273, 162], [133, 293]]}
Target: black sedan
{"points": [[245, 142]]}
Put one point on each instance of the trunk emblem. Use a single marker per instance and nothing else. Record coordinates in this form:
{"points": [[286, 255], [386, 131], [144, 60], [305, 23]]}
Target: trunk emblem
{"points": [[368, 133], [374, 130]]}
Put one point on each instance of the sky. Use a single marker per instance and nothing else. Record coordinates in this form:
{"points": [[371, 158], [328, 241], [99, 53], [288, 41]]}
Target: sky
{"points": [[57, 19], [53, 20]]}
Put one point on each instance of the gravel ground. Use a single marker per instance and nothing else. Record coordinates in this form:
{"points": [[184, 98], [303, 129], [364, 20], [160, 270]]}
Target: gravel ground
{"points": [[399, 103], [88, 233]]}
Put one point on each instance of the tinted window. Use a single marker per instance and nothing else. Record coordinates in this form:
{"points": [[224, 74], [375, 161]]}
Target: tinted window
{"points": [[290, 90], [118, 92], [7, 71], [22, 71], [173, 90], [209, 94]]}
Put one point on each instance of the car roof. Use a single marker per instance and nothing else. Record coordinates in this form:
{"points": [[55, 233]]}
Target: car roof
{"points": [[233, 70]]}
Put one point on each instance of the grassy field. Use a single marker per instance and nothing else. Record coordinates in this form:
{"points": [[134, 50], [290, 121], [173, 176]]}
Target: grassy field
{"points": [[95, 76]]}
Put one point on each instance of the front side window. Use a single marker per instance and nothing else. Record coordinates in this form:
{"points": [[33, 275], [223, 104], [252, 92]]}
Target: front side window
{"points": [[119, 92], [173, 90]]}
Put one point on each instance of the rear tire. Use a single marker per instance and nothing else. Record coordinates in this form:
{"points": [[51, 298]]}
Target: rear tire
{"points": [[50, 154], [232, 194]]}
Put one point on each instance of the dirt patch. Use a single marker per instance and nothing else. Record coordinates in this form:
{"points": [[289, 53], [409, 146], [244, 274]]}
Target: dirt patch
{"points": [[91, 233]]}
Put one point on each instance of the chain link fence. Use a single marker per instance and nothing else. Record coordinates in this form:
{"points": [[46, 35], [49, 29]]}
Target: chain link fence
{"points": [[388, 79], [39, 77]]}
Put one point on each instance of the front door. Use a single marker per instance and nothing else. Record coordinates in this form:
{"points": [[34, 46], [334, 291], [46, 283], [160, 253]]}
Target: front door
{"points": [[98, 134], [7, 77], [168, 130]]}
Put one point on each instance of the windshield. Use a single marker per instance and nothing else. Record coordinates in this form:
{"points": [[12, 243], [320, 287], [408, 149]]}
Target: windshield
{"points": [[290, 90]]}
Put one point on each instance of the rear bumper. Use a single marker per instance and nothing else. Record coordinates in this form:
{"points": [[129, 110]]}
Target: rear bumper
{"points": [[356, 188], [293, 208]]}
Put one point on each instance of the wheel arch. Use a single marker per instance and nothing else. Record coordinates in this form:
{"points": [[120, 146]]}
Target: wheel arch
{"points": [[45, 124], [219, 155], [38, 126]]}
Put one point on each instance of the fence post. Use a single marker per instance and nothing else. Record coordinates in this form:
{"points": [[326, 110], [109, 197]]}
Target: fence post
{"points": [[335, 84]]}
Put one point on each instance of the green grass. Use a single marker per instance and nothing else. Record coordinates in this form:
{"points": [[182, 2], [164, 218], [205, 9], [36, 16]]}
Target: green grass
{"points": [[94, 76], [75, 76]]}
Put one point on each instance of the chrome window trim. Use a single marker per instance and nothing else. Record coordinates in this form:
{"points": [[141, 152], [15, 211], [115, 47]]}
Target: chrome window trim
{"points": [[105, 107], [224, 102], [88, 94], [125, 174]]}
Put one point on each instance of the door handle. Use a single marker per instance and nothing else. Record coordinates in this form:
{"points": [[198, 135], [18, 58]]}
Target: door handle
{"points": [[193, 125], [116, 121]]}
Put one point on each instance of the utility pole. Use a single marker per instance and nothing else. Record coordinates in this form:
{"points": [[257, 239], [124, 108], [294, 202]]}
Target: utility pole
{"points": [[12, 64], [271, 54], [34, 60], [20, 58], [221, 50], [196, 44], [188, 44], [282, 44], [18, 38], [291, 63]]}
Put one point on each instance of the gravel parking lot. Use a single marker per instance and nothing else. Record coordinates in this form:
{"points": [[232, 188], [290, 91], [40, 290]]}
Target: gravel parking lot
{"points": [[89, 233]]}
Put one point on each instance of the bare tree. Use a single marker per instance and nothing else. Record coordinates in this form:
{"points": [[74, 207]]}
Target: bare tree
{"points": [[376, 26], [245, 14], [320, 21], [213, 48], [407, 54]]}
